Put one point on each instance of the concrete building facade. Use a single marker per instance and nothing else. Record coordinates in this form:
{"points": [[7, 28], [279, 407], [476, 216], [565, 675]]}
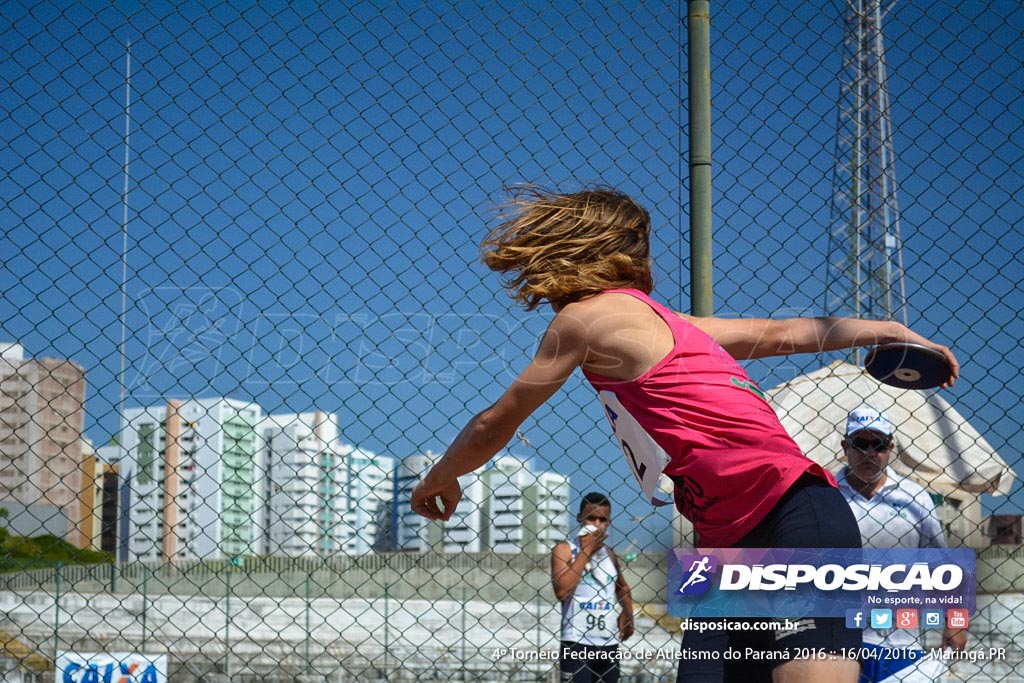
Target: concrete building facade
{"points": [[507, 508], [193, 485], [525, 511], [371, 490], [412, 532], [88, 524], [41, 426], [307, 485], [463, 532]]}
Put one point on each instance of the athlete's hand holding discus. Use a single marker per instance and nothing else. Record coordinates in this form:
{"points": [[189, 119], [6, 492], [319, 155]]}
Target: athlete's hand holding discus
{"points": [[907, 337], [916, 364], [750, 338]]}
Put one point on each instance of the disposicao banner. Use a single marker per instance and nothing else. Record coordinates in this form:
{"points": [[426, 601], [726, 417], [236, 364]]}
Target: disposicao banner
{"points": [[818, 582]]}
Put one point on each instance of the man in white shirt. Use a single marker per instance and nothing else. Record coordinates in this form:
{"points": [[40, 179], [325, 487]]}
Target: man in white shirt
{"points": [[892, 512]]}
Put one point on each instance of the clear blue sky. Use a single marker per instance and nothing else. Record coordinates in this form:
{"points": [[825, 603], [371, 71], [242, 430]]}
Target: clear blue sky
{"points": [[308, 186]]}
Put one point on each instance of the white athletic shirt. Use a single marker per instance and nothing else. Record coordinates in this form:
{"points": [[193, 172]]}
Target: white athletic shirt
{"points": [[901, 514], [590, 616]]}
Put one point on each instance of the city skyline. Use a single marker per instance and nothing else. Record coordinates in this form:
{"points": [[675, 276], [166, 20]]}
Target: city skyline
{"points": [[202, 478], [211, 478]]}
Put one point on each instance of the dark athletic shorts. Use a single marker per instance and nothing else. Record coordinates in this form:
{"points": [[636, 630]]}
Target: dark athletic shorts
{"points": [[811, 514], [588, 663]]}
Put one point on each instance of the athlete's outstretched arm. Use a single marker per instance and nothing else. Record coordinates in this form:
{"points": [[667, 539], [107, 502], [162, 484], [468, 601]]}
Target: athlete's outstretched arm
{"points": [[562, 348], [748, 338]]}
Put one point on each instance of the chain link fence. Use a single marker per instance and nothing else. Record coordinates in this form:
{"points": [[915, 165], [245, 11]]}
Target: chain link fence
{"points": [[243, 309]]}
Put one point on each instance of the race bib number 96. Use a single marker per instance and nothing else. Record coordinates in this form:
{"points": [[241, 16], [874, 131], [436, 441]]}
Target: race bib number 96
{"points": [[597, 620]]}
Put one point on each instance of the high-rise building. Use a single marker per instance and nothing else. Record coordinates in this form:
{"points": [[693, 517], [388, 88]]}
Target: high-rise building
{"points": [[307, 485], [546, 516], [193, 484], [41, 421], [507, 508], [524, 511], [371, 492], [412, 530], [462, 532]]}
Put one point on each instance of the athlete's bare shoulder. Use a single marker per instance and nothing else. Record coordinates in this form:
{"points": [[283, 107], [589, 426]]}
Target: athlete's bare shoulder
{"points": [[606, 305], [586, 308], [623, 335]]}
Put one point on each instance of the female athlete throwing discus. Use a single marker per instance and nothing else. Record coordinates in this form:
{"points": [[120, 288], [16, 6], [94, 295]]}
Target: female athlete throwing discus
{"points": [[675, 396]]}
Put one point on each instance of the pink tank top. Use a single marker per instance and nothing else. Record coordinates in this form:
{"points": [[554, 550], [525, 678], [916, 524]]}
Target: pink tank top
{"points": [[729, 455]]}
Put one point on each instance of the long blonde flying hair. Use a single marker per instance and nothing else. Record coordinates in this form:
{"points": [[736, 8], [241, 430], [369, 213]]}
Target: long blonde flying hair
{"points": [[564, 247]]}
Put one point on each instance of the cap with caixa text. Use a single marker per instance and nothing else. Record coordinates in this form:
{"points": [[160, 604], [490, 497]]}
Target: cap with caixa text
{"points": [[867, 417]]}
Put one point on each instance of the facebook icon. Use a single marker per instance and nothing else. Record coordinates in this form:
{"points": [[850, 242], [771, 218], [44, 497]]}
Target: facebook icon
{"points": [[855, 618]]}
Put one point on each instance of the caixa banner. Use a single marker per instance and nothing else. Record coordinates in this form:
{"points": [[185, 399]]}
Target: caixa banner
{"points": [[817, 582], [110, 667]]}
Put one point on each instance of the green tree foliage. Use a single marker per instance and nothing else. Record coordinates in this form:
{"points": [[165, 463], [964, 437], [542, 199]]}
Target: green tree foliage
{"points": [[18, 553]]}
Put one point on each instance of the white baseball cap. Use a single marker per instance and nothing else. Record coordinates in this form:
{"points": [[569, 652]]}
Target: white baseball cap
{"points": [[867, 417]]}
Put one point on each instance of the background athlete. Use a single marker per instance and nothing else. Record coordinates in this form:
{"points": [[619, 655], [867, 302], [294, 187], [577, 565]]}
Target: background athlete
{"points": [[597, 609]]}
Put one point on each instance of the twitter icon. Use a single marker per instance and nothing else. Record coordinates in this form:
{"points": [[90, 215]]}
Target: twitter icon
{"points": [[881, 618]]}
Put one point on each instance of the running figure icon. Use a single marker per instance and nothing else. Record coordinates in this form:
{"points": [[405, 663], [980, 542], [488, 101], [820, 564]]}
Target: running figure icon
{"points": [[697, 573]]}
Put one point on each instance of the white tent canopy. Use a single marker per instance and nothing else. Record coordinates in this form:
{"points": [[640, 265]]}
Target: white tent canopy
{"points": [[935, 443]]}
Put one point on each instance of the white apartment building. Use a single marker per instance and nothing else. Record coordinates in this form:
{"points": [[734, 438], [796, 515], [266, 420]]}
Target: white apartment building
{"points": [[463, 532], [371, 495], [525, 511], [413, 531], [194, 486], [307, 485], [507, 508], [549, 500]]}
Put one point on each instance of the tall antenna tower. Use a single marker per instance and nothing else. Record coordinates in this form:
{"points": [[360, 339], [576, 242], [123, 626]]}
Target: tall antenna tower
{"points": [[865, 277]]}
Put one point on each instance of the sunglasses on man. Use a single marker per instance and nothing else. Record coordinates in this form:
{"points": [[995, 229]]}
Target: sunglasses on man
{"points": [[865, 445]]}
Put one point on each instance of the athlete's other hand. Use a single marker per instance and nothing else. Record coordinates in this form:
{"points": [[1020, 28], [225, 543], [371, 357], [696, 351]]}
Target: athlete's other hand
{"points": [[954, 365], [425, 497]]}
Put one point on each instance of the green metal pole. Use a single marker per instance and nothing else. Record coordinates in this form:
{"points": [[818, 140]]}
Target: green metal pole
{"points": [[465, 669], [387, 586], [145, 603], [307, 625], [227, 619], [699, 57], [539, 618], [56, 621]]}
